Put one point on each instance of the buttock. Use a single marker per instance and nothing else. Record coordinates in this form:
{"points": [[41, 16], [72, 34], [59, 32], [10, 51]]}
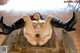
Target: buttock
{"points": [[22, 42]]}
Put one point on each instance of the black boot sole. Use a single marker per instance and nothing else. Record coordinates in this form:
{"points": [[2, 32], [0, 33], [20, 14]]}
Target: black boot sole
{"points": [[69, 25]]}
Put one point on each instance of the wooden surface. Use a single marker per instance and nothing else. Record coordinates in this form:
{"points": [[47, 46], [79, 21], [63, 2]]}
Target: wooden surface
{"points": [[68, 46], [68, 43], [11, 17], [76, 34], [2, 2]]}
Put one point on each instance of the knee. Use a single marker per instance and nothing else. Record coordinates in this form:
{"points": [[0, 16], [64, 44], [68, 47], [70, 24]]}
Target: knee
{"points": [[27, 17], [49, 18]]}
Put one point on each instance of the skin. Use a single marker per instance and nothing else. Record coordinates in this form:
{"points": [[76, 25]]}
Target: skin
{"points": [[42, 27], [36, 16]]}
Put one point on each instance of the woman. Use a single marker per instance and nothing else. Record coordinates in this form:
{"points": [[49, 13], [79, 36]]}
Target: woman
{"points": [[38, 31], [20, 23]]}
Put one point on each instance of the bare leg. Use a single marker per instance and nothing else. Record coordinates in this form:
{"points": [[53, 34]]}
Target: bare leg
{"points": [[46, 27], [29, 32], [28, 26], [46, 31]]}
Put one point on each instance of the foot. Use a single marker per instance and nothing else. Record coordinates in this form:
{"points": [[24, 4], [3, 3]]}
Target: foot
{"points": [[69, 25], [6, 29]]}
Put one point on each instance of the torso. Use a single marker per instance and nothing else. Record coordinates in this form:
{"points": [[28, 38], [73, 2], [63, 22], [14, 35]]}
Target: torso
{"points": [[32, 39]]}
